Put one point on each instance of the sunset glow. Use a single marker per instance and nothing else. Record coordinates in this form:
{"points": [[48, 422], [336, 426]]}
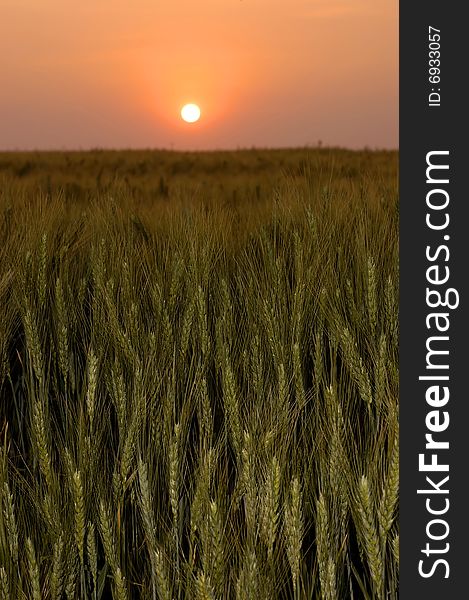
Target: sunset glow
{"points": [[266, 73]]}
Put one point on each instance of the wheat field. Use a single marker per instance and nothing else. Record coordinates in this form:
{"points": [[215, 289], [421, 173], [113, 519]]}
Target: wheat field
{"points": [[199, 375]]}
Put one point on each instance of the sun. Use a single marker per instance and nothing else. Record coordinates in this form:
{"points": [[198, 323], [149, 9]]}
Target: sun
{"points": [[190, 113]]}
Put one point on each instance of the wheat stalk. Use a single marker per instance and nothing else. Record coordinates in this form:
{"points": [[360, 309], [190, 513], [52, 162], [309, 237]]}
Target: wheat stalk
{"points": [[41, 439], [282, 391], [230, 397], [395, 549], [92, 364], [128, 450], [92, 553], [271, 328], [248, 585], [331, 585], [121, 589], [162, 579], [298, 376], [187, 321], [119, 396], [33, 570], [390, 492], [167, 333], [202, 490], [72, 575], [270, 514], [372, 294], [216, 549], [34, 344], [41, 275], [4, 585], [369, 535], [202, 316], [337, 466], [10, 522], [62, 330], [108, 536], [350, 295], [58, 574], [294, 532], [146, 503], [318, 357], [322, 543], [390, 304], [174, 474], [79, 512], [249, 484], [203, 589], [206, 418], [380, 375], [356, 366], [256, 365], [227, 305], [178, 267]]}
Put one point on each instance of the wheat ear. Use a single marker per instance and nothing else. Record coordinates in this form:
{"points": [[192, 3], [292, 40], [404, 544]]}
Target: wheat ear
{"points": [[33, 570], [4, 585], [369, 535], [294, 532], [10, 522]]}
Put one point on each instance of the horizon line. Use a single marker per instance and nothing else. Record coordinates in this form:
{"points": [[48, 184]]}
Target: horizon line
{"points": [[251, 148]]}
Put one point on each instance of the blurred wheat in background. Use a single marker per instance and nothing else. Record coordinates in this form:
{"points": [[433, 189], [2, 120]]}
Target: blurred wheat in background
{"points": [[199, 375]]}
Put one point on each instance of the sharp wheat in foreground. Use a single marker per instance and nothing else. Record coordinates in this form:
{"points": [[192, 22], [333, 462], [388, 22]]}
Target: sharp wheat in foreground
{"points": [[199, 397]]}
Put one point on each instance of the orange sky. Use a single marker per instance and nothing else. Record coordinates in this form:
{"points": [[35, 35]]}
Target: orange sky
{"points": [[115, 73]]}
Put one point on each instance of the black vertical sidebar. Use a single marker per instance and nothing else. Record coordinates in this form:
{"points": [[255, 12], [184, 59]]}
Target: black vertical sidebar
{"points": [[434, 259]]}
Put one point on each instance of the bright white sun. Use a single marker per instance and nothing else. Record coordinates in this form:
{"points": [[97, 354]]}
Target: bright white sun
{"points": [[190, 113]]}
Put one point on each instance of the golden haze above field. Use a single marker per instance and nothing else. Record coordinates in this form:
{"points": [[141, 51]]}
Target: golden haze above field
{"points": [[115, 73]]}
